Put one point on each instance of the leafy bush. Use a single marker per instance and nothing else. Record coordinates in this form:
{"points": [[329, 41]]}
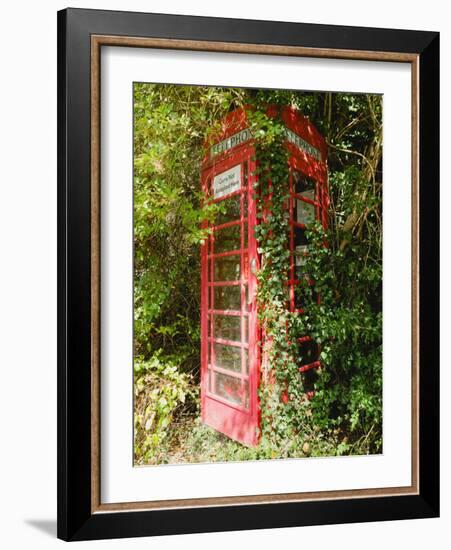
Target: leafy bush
{"points": [[160, 391], [348, 322]]}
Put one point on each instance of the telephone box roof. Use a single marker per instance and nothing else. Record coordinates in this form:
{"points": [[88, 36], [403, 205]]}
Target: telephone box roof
{"points": [[234, 132]]}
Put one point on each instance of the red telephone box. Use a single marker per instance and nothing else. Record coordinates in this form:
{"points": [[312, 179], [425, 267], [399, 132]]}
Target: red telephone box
{"points": [[230, 332]]}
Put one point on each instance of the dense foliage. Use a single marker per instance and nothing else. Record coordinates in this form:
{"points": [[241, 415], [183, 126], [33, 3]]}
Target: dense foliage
{"points": [[345, 416]]}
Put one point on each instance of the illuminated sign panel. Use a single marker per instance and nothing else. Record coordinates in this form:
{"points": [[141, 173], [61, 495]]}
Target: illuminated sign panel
{"points": [[302, 144], [245, 135], [230, 142]]}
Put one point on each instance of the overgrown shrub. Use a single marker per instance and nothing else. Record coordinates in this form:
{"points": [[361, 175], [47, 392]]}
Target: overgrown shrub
{"points": [[160, 391]]}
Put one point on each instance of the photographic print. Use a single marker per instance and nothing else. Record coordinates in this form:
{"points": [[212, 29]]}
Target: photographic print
{"points": [[248, 262], [257, 274]]}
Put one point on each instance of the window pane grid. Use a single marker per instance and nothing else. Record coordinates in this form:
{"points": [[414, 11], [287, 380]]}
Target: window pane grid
{"points": [[227, 282]]}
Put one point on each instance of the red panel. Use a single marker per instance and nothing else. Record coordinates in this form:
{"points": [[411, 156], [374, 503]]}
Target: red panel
{"points": [[310, 366], [224, 404], [305, 129], [236, 424]]}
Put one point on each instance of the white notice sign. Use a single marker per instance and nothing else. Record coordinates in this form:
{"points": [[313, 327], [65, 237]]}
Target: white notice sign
{"points": [[227, 182]]}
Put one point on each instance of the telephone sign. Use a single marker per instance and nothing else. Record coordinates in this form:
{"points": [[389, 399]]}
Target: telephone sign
{"points": [[227, 182], [237, 139]]}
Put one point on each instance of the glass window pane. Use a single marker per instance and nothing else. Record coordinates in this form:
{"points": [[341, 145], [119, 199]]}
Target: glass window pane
{"points": [[302, 183], [309, 194], [227, 239], [227, 297], [230, 210], [227, 327], [300, 260], [299, 297], [229, 388], [304, 212], [308, 353], [228, 357], [299, 237], [227, 268]]}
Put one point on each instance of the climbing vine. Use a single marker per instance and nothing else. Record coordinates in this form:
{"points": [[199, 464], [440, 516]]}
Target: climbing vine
{"points": [[281, 391], [346, 323]]}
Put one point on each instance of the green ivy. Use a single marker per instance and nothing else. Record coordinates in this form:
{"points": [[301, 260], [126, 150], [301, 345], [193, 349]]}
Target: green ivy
{"points": [[160, 389], [347, 323], [280, 417]]}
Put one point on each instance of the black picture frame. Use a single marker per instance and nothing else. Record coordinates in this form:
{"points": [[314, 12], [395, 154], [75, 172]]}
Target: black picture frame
{"points": [[76, 520]]}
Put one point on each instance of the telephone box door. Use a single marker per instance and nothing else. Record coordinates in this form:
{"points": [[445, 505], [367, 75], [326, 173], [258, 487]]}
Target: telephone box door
{"points": [[230, 356]]}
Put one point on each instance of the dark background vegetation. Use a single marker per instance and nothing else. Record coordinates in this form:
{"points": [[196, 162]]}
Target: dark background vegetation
{"points": [[345, 416]]}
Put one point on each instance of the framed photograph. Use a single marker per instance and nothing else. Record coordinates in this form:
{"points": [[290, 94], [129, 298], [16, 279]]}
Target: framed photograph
{"points": [[248, 274]]}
